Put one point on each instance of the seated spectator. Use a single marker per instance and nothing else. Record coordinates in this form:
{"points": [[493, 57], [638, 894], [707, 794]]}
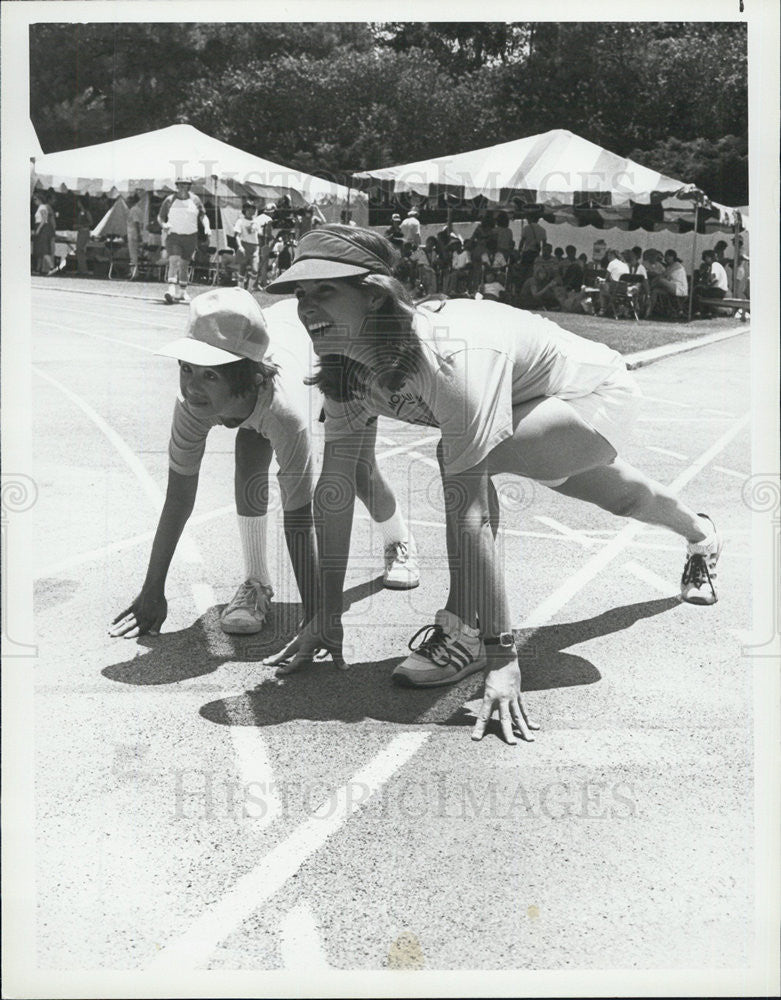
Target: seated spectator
{"points": [[616, 268], [713, 282], [542, 289], [549, 262], [460, 267], [492, 288], [493, 257], [572, 271], [558, 253], [503, 233], [672, 282]]}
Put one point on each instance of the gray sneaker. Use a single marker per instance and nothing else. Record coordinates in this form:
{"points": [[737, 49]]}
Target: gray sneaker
{"points": [[247, 612]]}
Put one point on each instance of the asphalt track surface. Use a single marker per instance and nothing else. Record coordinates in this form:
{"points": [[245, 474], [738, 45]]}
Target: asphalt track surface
{"points": [[194, 813]]}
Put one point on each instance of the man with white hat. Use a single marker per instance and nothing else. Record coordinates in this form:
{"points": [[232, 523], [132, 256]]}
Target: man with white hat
{"points": [[180, 216]]}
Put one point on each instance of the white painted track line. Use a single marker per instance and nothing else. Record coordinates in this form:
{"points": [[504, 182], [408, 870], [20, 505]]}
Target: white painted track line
{"points": [[553, 603], [731, 472], [192, 949], [402, 448], [667, 451], [96, 336], [253, 762], [301, 947], [648, 576], [562, 529]]}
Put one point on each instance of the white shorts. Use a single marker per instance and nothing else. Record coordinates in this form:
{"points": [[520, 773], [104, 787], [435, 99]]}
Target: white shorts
{"points": [[611, 410]]}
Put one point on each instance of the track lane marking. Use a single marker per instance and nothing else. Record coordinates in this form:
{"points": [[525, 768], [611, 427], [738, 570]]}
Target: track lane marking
{"points": [[301, 946], [648, 576], [191, 950], [250, 751], [562, 529], [544, 611], [667, 451], [732, 472], [95, 336]]}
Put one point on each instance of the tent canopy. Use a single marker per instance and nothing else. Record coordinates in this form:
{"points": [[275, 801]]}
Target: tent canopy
{"points": [[154, 160], [559, 170]]}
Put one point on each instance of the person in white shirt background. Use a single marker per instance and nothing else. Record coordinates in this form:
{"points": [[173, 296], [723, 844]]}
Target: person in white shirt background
{"points": [[410, 227], [247, 233], [716, 285], [179, 216]]}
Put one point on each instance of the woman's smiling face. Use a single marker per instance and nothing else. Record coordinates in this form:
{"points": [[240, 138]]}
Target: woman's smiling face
{"points": [[334, 312]]}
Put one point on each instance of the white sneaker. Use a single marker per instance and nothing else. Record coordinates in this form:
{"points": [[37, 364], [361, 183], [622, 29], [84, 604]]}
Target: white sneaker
{"points": [[449, 652], [698, 582], [247, 612], [184, 297], [401, 566]]}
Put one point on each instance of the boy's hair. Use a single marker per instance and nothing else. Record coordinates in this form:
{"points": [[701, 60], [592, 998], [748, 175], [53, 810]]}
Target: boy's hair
{"points": [[241, 375]]}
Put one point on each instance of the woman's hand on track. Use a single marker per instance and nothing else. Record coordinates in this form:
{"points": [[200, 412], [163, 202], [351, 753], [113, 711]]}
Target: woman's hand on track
{"points": [[145, 615], [311, 645], [503, 689]]}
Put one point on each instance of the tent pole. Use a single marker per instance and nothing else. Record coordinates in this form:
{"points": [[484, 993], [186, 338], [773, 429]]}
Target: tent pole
{"points": [[694, 257]]}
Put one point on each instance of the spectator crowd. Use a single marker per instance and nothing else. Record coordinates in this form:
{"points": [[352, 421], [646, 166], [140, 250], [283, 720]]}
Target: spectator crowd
{"points": [[530, 274]]}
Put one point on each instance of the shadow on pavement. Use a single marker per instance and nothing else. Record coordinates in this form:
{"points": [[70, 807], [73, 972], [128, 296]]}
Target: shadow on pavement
{"points": [[203, 647], [365, 691]]}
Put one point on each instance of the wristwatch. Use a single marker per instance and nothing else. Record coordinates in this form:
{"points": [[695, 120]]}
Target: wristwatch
{"points": [[504, 639]]}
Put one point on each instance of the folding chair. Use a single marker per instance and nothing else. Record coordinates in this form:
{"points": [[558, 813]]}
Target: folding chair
{"points": [[624, 295]]}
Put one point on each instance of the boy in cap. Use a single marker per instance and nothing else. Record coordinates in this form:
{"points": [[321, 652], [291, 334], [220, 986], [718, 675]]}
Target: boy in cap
{"points": [[231, 373], [180, 216]]}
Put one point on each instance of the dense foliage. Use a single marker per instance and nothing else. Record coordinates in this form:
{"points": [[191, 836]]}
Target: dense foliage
{"points": [[336, 97]]}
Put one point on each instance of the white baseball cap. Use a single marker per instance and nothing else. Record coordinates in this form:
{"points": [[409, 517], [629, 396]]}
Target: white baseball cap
{"points": [[225, 324]]}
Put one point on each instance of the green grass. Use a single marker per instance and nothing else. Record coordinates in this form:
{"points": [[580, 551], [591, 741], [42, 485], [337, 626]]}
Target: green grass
{"points": [[623, 335]]}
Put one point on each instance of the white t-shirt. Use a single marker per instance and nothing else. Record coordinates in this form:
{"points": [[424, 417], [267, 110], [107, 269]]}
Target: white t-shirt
{"points": [[247, 229], [616, 268], [480, 359], [718, 272], [676, 273], [411, 229], [284, 412], [182, 214]]}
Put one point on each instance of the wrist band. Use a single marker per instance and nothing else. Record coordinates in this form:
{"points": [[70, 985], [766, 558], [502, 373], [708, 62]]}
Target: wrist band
{"points": [[504, 639]]}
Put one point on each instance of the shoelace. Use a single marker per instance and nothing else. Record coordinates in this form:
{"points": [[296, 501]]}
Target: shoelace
{"points": [[435, 641], [249, 593], [697, 573], [400, 552]]}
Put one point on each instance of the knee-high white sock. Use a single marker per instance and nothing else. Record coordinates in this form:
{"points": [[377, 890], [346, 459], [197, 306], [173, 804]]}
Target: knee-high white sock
{"points": [[252, 532], [395, 529]]}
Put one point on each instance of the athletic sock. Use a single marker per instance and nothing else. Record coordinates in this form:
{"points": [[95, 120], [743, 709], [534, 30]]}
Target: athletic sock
{"points": [[252, 532], [709, 542], [395, 529]]}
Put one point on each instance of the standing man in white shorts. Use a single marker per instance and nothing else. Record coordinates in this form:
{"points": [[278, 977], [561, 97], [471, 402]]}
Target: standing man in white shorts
{"points": [[179, 217]]}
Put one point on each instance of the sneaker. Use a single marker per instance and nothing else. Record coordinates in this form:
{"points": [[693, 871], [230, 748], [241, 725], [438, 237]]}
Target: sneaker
{"points": [[401, 567], [169, 299], [184, 297], [698, 583], [448, 653], [247, 612]]}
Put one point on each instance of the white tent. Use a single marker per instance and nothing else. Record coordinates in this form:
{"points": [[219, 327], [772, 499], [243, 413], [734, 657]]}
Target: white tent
{"points": [[576, 180], [154, 160]]}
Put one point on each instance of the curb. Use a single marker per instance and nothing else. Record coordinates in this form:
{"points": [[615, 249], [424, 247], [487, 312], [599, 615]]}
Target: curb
{"points": [[641, 358]]}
